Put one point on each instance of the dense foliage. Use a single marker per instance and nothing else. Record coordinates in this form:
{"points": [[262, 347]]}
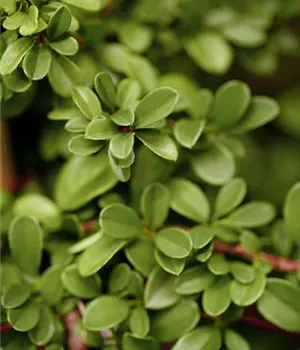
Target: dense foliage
{"points": [[162, 206]]}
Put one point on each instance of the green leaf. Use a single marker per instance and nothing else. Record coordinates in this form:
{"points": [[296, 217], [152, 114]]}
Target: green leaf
{"points": [[155, 106], [106, 311], [140, 254], [216, 298], [234, 341], [44, 330], [97, 255], [10, 274], [16, 81], [173, 242], [131, 342], [119, 278], [121, 172], [183, 317], [136, 36], [30, 22], [230, 196], [201, 235], [14, 295], [84, 243], [210, 51], [128, 92], [250, 242], [100, 129], [41, 207], [201, 104], [261, 111], [82, 179], [123, 117], [170, 265], [9, 6], [87, 101], [88, 5], [155, 201], [26, 235], [89, 338], [121, 145], [280, 304], [242, 272], [81, 287], [64, 75], [51, 287], [139, 322], [188, 131], [14, 21], [159, 143], [188, 200], [77, 124], [218, 265], [67, 46], [244, 35], [105, 89], [214, 166], [194, 280], [14, 54], [37, 62], [202, 338], [25, 317], [59, 23], [80, 146], [120, 221], [253, 214], [205, 253], [247, 294], [290, 209], [136, 285], [159, 290]]}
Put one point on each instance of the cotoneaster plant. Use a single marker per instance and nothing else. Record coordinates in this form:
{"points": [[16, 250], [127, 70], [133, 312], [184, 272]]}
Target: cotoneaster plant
{"points": [[146, 216]]}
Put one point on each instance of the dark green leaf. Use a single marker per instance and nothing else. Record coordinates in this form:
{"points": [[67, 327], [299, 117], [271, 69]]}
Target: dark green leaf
{"points": [[119, 278], [105, 312], [201, 235], [14, 295], [44, 330], [100, 129], [234, 341], [188, 131], [171, 265], [59, 23], [291, 213], [25, 317], [51, 287], [37, 62], [105, 89], [139, 322]]}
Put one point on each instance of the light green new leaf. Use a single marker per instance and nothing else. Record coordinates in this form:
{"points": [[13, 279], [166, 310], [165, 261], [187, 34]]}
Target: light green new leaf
{"points": [[159, 143], [105, 312], [216, 298], [9, 6], [105, 89], [82, 179], [121, 145], [14, 53], [210, 51], [67, 46], [128, 92], [230, 196], [44, 330], [64, 75], [247, 294], [98, 254], [155, 106], [81, 287], [250, 242], [88, 5], [244, 35], [80, 146], [155, 202], [183, 317], [51, 287], [280, 304], [100, 129], [87, 101], [132, 342], [14, 21], [218, 265], [201, 235], [291, 213], [119, 278], [140, 254], [123, 117], [139, 322], [188, 131], [30, 22], [120, 221], [215, 166], [41, 207], [171, 265], [37, 62], [159, 291], [14, 295], [261, 111], [25, 317], [242, 272], [26, 235], [234, 341], [202, 338], [188, 200], [194, 280], [135, 36], [253, 214], [230, 103], [59, 23]]}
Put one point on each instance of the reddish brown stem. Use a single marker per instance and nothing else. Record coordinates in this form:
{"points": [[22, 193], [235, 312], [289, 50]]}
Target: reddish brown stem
{"points": [[5, 328], [74, 343]]}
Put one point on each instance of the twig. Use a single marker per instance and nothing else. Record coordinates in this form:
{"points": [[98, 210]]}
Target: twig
{"points": [[74, 342]]}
